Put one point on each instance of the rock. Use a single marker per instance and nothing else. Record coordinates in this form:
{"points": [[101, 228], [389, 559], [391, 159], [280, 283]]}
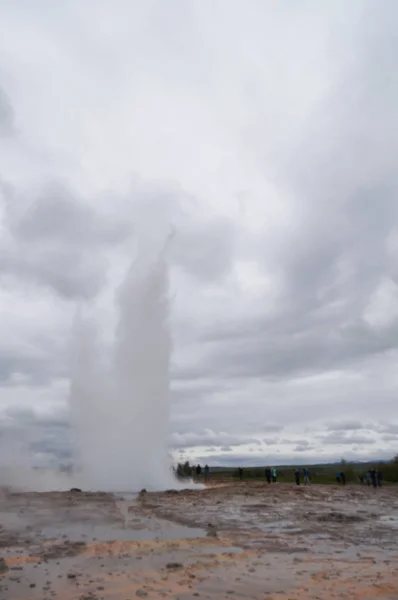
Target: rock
{"points": [[143, 491], [338, 517], [3, 566], [71, 575], [141, 593], [32, 585], [174, 565], [77, 490]]}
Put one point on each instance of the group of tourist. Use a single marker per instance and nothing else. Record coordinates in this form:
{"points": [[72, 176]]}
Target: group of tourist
{"points": [[306, 476], [270, 475], [372, 477], [206, 472]]}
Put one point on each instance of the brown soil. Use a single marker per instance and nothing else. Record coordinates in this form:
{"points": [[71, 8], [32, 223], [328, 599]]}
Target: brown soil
{"points": [[235, 541]]}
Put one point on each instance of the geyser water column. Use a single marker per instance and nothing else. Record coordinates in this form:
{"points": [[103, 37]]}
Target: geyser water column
{"points": [[121, 412]]}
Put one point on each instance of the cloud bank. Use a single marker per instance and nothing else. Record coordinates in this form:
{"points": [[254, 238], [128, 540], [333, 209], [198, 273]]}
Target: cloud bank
{"points": [[265, 137]]}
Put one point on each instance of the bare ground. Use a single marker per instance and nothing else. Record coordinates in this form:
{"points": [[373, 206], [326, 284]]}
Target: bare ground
{"points": [[227, 541]]}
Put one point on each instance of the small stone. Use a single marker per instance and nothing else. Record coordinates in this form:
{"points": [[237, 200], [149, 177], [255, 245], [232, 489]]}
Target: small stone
{"points": [[141, 593], [174, 565], [3, 566], [71, 575]]}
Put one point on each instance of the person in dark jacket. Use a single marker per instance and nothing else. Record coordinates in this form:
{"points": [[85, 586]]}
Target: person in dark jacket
{"points": [[268, 475], [297, 476], [373, 477]]}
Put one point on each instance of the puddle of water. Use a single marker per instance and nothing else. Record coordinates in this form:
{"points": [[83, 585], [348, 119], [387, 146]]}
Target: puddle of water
{"points": [[389, 520], [146, 530], [280, 526], [318, 536]]}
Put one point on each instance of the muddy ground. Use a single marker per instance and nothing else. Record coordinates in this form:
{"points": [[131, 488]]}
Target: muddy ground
{"points": [[232, 541]]}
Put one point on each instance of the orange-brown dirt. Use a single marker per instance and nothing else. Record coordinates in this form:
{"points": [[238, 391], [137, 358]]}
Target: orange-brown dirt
{"points": [[231, 541]]}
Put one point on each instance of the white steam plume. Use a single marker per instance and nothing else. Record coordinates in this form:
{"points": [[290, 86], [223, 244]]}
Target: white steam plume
{"points": [[121, 412]]}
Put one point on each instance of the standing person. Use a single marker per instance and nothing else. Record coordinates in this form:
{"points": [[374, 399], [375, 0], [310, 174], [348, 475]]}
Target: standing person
{"points": [[368, 478], [240, 473], [379, 478], [207, 473], [306, 474], [273, 473], [342, 477], [373, 477], [338, 477], [297, 476], [198, 471], [268, 474]]}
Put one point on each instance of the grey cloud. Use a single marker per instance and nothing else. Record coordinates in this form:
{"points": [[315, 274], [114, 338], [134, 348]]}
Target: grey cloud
{"points": [[272, 428], [304, 448], [270, 441], [27, 416], [205, 250], [41, 433], [341, 175], [341, 439], [6, 115], [333, 170], [384, 427], [56, 240], [58, 215], [208, 437], [272, 352], [390, 437], [345, 425], [45, 361], [201, 246]]}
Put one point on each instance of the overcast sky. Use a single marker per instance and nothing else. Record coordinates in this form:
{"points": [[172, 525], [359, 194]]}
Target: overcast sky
{"points": [[266, 133]]}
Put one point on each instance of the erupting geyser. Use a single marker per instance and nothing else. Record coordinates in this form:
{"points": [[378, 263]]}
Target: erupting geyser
{"points": [[120, 411]]}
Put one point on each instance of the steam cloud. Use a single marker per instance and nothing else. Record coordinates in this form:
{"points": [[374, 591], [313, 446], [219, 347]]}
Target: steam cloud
{"points": [[120, 411]]}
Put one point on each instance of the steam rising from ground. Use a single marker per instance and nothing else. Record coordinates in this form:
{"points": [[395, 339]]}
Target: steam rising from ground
{"points": [[120, 411]]}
